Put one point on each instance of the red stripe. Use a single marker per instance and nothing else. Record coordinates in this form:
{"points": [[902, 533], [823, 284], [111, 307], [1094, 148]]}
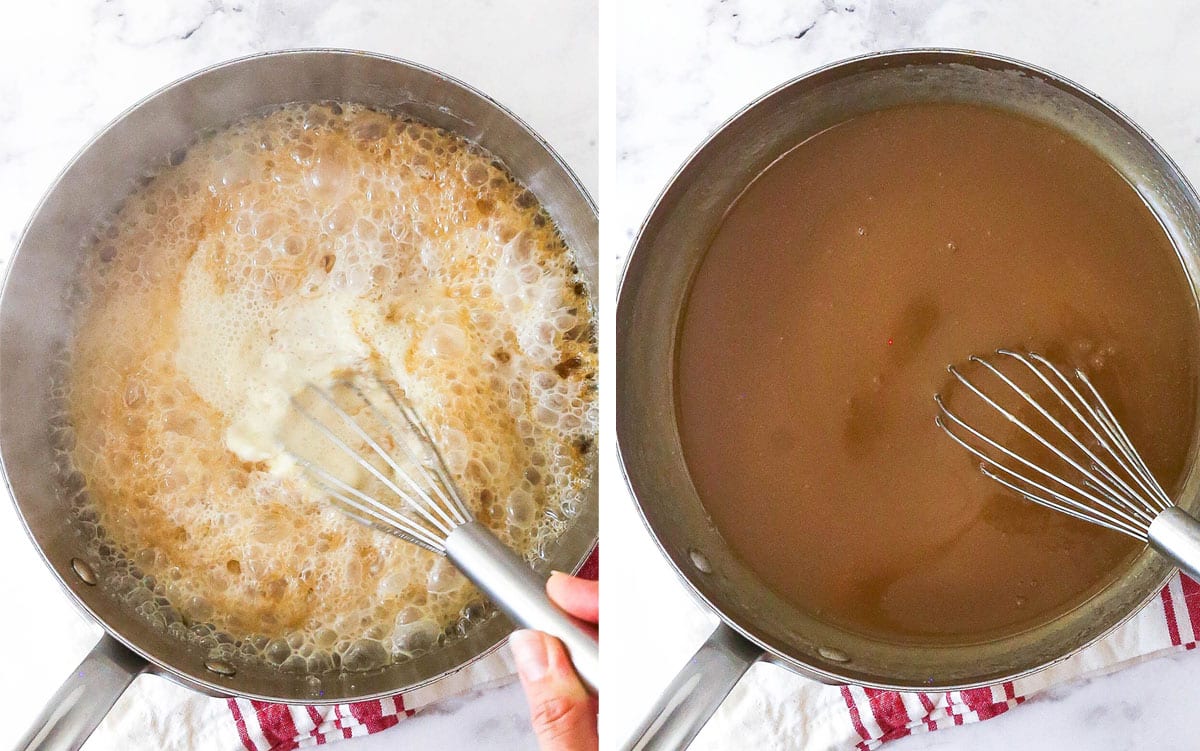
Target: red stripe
{"points": [[316, 718], [337, 711], [277, 725], [1169, 611], [980, 701], [591, 567], [1191, 602], [890, 713], [370, 714], [855, 717], [929, 706], [399, 699], [240, 721], [952, 709]]}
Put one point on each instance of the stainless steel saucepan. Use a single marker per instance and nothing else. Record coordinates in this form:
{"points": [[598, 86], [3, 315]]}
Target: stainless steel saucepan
{"points": [[756, 624], [35, 324]]}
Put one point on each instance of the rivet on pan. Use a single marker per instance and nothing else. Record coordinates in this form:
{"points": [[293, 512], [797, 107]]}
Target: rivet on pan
{"points": [[84, 571], [700, 561], [220, 667], [833, 655]]}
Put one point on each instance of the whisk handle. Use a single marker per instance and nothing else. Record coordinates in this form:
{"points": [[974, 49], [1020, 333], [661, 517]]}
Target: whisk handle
{"points": [[521, 593], [1176, 534]]}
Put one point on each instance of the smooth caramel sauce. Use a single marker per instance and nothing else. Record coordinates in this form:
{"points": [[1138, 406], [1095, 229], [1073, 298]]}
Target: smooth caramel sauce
{"points": [[839, 286]]}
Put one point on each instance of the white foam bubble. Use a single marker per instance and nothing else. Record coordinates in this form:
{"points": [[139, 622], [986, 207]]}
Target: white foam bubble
{"points": [[285, 249]]}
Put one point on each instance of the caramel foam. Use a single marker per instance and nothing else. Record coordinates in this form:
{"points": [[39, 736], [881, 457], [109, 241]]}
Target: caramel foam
{"points": [[284, 249]]}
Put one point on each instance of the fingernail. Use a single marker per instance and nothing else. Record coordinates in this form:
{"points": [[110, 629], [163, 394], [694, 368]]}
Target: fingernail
{"points": [[529, 649]]}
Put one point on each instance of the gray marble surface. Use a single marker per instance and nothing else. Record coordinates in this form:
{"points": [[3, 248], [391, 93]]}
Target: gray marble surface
{"points": [[683, 68], [70, 66]]}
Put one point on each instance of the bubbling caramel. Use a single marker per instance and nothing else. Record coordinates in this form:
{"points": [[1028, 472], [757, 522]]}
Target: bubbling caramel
{"points": [[287, 248]]}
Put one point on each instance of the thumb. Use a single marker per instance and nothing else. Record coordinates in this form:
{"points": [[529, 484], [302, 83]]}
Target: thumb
{"points": [[562, 712]]}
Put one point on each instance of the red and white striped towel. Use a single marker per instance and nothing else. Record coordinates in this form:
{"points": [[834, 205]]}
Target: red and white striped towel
{"points": [[281, 727], [804, 715], [772, 708]]}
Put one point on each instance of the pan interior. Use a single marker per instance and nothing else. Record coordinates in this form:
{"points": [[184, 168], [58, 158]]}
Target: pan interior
{"points": [[669, 251], [35, 326]]}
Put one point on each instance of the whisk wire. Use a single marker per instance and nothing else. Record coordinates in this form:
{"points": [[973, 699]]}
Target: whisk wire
{"points": [[1125, 521], [1106, 482], [1097, 464], [1023, 461], [1113, 436], [436, 475], [358, 458], [367, 510], [431, 512], [431, 507], [430, 504], [1072, 507], [440, 466], [1095, 481], [423, 504], [1142, 472]]}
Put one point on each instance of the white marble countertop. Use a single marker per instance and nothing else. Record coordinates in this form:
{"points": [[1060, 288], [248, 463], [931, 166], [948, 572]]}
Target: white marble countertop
{"points": [[69, 67], [683, 68]]}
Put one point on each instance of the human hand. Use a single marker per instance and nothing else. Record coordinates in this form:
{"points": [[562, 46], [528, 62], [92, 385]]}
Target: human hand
{"points": [[562, 711]]}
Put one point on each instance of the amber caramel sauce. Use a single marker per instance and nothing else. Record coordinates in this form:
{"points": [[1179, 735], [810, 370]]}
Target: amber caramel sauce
{"points": [[835, 292]]}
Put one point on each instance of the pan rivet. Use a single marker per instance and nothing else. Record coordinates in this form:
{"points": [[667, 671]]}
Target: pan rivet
{"points": [[700, 561], [84, 571], [220, 667], [833, 655]]}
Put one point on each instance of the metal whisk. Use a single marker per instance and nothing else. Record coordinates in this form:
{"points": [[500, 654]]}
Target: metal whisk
{"points": [[1086, 465], [393, 477]]}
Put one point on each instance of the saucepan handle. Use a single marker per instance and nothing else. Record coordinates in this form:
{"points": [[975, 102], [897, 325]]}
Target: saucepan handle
{"points": [[1176, 534], [521, 593], [696, 692], [84, 698]]}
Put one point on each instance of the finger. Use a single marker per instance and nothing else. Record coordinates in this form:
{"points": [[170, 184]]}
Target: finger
{"points": [[579, 597], [561, 711]]}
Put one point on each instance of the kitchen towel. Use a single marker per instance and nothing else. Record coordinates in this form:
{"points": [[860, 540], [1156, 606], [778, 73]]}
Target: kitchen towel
{"points": [[824, 718], [280, 727], [814, 717]]}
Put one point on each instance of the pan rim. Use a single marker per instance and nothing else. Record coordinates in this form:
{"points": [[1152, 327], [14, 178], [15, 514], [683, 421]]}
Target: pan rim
{"points": [[951, 55], [162, 667]]}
